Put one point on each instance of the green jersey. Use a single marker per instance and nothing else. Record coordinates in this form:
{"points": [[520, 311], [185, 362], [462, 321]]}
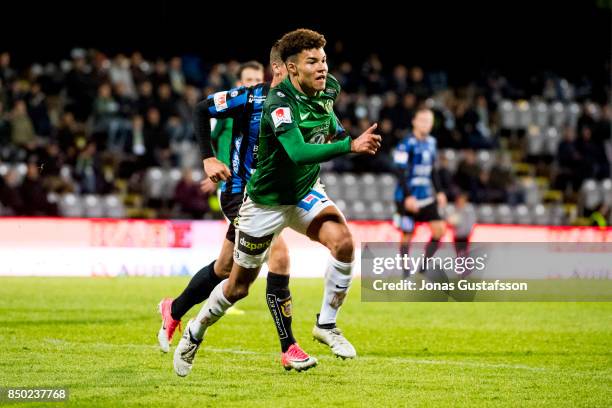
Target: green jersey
{"points": [[292, 142]]}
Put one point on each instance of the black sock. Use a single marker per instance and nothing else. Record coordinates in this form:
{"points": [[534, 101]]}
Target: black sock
{"points": [[278, 299], [198, 289], [431, 248], [326, 325]]}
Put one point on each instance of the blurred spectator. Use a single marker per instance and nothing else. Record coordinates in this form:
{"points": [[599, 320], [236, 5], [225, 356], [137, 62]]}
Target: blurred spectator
{"points": [[462, 218], [467, 176], [22, 130], [88, 172], [175, 73], [146, 99], [418, 85], [34, 196], [568, 159], [80, 86], [10, 196], [189, 197], [165, 102], [139, 68], [7, 74], [121, 75], [38, 112], [105, 108], [5, 126]]}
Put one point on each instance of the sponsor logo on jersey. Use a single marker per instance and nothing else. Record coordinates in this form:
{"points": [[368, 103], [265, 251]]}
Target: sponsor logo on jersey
{"points": [[281, 115], [220, 99], [279, 93]]}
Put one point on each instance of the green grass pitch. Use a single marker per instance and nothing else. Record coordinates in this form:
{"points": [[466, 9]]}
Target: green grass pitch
{"points": [[98, 338]]}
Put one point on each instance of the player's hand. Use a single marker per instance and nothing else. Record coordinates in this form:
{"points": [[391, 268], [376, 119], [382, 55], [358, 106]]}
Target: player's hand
{"points": [[442, 201], [411, 205], [207, 186], [368, 142], [216, 170]]}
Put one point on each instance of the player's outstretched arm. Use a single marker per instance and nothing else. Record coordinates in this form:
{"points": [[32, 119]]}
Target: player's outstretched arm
{"points": [[302, 153]]}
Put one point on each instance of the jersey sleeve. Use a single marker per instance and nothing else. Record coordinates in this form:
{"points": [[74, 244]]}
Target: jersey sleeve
{"points": [[280, 114], [226, 104], [302, 153], [219, 105]]}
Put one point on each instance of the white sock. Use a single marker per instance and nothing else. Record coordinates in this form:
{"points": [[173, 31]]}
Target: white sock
{"points": [[213, 310], [337, 281]]}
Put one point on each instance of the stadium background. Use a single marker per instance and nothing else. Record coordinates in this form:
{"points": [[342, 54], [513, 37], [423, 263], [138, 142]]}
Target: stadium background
{"points": [[521, 94]]}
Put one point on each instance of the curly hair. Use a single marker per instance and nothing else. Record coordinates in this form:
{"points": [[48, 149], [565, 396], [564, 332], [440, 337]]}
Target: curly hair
{"points": [[298, 40]]}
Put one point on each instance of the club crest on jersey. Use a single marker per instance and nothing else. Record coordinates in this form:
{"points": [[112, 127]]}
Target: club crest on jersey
{"points": [[281, 115], [220, 99], [233, 94]]}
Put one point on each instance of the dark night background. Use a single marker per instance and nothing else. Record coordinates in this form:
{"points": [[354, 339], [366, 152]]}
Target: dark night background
{"points": [[517, 38]]}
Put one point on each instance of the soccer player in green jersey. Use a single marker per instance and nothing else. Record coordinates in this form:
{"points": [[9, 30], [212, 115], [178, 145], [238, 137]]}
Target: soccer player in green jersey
{"points": [[285, 191]]}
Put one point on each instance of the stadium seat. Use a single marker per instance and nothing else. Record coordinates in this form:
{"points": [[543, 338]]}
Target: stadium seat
{"points": [[573, 112], [94, 207], [197, 175], [508, 115], [348, 181], [4, 169], [558, 215], [522, 215], [552, 139], [504, 214], [386, 185], [171, 177], [485, 159], [341, 204], [377, 211], [20, 171], [70, 206], [113, 207], [452, 159], [368, 187], [531, 191], [154, 185], [590, 195], [523, 114], [540, 114], [540, 214], [332, 185], [358, 210], [535, 140], [485, 214], [557, 111]]}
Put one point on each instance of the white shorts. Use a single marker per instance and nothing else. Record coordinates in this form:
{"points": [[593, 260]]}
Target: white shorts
{"points": [[257, 225]]}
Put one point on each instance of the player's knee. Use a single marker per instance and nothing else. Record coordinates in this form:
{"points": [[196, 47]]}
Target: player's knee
{"points": [[236, 291], [224, 267], [343, 248]]}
